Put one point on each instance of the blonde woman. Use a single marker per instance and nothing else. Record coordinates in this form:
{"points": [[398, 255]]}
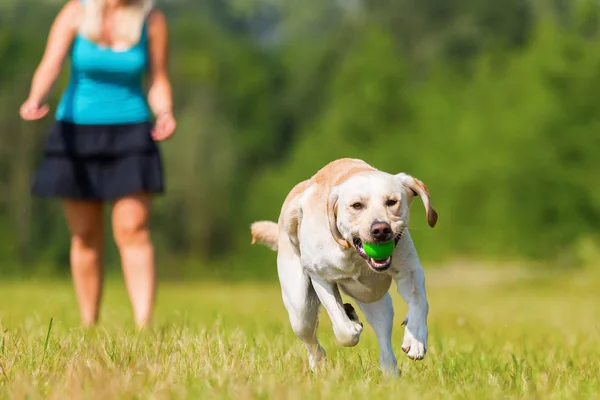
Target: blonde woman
{"points": [[102, 146]]}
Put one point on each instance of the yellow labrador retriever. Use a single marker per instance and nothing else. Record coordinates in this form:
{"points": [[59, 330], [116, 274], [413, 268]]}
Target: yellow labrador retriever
{"points": [[319, 240]]}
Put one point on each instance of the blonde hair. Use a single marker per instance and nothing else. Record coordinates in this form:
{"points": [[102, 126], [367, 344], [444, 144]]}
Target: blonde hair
{"points": [[128, 27]]}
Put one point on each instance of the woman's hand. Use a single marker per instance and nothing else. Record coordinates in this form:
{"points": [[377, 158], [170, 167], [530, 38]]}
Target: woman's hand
{"points": [[164, 126], [32, 110]]}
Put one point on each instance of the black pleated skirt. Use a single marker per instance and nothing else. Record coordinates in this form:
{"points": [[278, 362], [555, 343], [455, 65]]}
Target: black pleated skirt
{"points": [[99, 162]]}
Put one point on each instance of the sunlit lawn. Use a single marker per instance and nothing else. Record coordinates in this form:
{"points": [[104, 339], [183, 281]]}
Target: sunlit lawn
{"points": [[493, 334]]}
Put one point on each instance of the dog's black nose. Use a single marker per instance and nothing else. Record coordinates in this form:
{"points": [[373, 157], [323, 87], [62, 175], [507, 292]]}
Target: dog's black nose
{"points": [[381, 231]]}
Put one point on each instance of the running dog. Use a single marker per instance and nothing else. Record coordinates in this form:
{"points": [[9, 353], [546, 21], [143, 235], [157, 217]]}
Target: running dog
{"points": [[319, 240]]}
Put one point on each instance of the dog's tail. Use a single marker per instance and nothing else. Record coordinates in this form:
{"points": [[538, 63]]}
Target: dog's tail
{"points": [[266, 233]]}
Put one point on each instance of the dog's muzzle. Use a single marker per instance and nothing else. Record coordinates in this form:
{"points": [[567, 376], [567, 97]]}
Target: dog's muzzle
{"points": [[376, 265]]}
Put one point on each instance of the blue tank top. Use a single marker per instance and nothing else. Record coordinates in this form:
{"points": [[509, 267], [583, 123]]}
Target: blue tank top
{"points": [[106, 86]]}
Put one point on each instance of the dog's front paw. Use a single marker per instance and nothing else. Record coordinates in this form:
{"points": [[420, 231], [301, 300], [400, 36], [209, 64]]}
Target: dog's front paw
{"points": [[351, 313], [352, 336], [415, 339], [349, 335]]}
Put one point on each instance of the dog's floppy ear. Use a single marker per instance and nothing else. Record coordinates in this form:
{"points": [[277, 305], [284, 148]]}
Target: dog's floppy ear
{"points": [[418, 188], [332, 202]]}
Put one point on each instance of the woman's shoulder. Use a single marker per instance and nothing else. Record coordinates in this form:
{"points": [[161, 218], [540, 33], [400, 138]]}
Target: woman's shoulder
{"points": [[70, 13], [156, 17], [73, 6], [157, 21]]}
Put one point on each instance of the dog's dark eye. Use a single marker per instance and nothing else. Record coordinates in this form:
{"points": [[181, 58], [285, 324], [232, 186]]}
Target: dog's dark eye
{"points": [[391, 202], [357, 206]]}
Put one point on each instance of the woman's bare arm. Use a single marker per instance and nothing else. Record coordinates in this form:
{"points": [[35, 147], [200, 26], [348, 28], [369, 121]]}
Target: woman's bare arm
{"points": [[60, 38], [159, 94]]}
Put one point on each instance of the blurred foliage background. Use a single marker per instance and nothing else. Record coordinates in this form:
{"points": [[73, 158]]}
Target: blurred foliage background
{"points": [[494, 105]]}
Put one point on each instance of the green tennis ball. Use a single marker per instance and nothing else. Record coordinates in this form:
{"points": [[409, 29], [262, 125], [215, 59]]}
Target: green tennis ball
{"points": [[379, 251]]}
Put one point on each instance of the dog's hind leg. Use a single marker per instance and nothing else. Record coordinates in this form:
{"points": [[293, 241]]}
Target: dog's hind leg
{"points": [[302, 305], [380, 315]]}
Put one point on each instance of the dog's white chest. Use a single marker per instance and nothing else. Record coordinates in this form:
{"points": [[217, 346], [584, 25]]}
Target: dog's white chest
{"points": [[367, 288], [331, 265]]}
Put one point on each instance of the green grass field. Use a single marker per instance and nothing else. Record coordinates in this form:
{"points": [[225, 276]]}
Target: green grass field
{"points": [[493, 334]]}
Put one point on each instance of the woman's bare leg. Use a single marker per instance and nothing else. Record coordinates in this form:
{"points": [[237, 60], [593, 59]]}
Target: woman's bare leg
{"points": [[86, 225], [130, 219]]}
